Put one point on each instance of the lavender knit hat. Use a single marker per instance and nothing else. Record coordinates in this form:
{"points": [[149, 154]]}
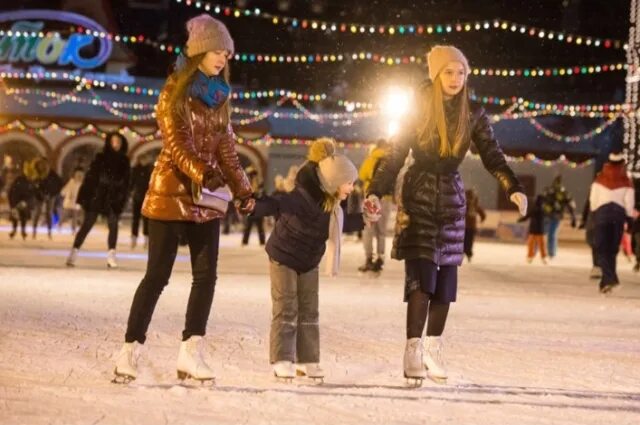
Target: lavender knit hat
{"points": [[207, 34]]}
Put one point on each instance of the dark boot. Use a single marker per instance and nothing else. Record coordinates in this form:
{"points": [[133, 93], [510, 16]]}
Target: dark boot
{"points": [[367, 266], [378, 265]]}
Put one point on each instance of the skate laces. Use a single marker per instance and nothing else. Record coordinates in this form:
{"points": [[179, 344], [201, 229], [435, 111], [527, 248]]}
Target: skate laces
{"points": [[434, 349], [415, 346], [198, 347]]}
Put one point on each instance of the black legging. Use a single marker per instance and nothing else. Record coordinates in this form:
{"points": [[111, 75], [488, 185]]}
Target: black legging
{"points": [[136, 211], [90, 218], [259, 222], [417, 309], [203, 240], [469, 238], [20, 215], [43, 206]]}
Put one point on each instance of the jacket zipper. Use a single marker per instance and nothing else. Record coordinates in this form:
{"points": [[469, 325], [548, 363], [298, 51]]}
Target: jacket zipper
{"points": [[437, 219]]}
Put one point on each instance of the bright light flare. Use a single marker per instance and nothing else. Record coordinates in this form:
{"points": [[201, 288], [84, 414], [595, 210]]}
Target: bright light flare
{"points": [[396, 101]]}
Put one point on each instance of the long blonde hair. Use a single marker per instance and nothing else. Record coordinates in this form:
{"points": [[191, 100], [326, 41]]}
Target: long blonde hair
{"points": [[432, 120], [182, 78]]}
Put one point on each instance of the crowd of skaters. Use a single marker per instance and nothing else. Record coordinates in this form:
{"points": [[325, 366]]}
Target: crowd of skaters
{"points": [[37, 195]]}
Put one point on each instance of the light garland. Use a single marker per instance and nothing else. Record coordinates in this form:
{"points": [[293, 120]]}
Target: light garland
{"points": [[572, 139], [74, 77], [69, 131], [406, 29], [562, 160], [266, 58], [266, 140], [70, 97], [357, 56], [632, 121]]}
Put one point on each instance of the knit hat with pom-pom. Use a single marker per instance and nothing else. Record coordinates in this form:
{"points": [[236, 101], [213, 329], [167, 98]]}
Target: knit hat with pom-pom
{"points": [[334, 169], [320, 149], [207, 34]]}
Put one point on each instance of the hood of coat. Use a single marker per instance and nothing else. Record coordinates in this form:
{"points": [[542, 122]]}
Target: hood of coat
{"points": [[307, 178]]}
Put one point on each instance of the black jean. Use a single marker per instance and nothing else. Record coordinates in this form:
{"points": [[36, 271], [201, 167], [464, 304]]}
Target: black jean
{"points": [[259, 222], [136, 211], [90, 218], [469, 238], [203, 240], [606, 240], [44, 206], [20, 215]]}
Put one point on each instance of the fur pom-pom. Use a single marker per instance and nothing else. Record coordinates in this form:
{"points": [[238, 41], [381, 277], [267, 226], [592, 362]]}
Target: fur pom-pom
{"points": [[320, 149]]}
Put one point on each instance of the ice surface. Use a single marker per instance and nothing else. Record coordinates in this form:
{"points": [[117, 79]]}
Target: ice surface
{"points": [[524, 344]]}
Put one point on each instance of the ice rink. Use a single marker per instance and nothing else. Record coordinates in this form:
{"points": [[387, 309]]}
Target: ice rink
{"points": [[524, 344]]}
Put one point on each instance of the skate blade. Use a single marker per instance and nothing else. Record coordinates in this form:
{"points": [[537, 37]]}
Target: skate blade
{"points": [[414, 381], [121, 378], [283, 379], [183, 376], [316, 379], [438, 379]]}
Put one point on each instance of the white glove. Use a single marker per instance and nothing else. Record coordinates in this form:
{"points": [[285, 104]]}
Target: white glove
{"points": [[520, 199], [372, 209]]}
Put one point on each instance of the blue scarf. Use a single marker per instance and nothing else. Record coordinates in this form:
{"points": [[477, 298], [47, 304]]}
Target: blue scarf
{"points": [[213, 91]]}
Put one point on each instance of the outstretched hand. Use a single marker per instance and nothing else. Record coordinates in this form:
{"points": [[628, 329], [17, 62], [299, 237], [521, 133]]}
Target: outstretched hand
{"points": [[520, 199]]}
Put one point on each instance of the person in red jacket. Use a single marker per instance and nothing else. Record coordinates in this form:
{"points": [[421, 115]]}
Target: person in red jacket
{"points": [[612, 205]]}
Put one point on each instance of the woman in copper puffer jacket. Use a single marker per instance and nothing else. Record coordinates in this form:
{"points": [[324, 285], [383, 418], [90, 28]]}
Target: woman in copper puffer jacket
{"points": [[198, 146]]}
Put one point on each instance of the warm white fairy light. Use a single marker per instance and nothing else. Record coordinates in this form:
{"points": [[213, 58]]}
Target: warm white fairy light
{"points": [[631, 122]]}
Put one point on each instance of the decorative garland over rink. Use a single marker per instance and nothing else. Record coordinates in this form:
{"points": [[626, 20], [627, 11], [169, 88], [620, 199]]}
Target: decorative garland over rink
{"points": [[632, 121], [270, 58], [318, 97], [572, 139], [407, 29], [266, 140]]}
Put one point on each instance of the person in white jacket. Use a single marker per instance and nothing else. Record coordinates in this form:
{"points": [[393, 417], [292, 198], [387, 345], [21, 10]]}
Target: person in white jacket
{"points": [[612, 201], [70, 209]]}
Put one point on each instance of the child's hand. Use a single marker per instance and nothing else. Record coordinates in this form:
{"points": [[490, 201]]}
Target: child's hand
{"points": [[245, 206], [372, 209]]}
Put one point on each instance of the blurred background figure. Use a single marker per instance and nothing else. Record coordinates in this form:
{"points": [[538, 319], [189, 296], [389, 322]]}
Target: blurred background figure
{"points": [[378, 230], [557, 200], [21, 196], [257, 187], [140, 176], [104, 192], [612, 203], [70, 208], [471, 221], [47, 185], [535, 240]]}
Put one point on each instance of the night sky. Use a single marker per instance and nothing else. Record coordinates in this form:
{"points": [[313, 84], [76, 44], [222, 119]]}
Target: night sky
{"points": [[360, 80]]}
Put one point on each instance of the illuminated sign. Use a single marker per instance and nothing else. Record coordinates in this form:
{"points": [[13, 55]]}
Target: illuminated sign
{"points": [[24, 42]]}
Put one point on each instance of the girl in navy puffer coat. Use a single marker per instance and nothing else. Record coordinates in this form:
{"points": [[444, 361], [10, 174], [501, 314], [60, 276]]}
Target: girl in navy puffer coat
{"points": [[431, 219]]}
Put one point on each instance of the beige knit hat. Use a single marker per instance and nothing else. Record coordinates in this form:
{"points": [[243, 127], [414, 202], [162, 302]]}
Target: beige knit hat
{"points": [[207, 34], [439, 56], [336, 170]]}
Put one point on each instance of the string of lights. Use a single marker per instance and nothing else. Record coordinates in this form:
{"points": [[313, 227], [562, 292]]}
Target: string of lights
{"points": [[406, 29]]}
